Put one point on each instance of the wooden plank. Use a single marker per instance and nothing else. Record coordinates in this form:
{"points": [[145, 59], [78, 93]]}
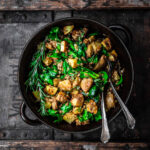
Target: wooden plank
{"points": [[51, 145], [25, 16], [71, 4]]}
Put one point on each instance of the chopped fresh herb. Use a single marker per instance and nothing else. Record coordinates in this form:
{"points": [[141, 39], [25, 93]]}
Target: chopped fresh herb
{"points": [[66, 108]]}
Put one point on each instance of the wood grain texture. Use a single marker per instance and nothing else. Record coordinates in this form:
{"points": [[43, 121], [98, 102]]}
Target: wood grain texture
{"points": [[56, 145], [71, 4]]}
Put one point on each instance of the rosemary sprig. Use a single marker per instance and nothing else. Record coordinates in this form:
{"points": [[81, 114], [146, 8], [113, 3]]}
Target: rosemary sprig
{"points": [[34, 82]]}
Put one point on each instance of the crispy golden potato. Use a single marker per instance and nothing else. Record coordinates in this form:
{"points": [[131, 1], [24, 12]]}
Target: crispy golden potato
{"points": [[65, 85], [107, 44], [76, 82], [110, 101], [74, 92], [77, 100], [51, 90], [36, 95], [54, 105], [79, 123], [68, 29], [86, 84], [72, 62], [76, 34], [115, 76], [69, 117], [48, 105], [89, 51], [51, 45], [92, 107], [63, 47], [56, 81], [96, 46], [47, 61], [61, 97], [101, 63]]}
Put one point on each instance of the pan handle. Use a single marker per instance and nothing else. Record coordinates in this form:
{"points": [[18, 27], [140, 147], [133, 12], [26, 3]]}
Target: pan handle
{"points": [[35, 122], [126, 31]]}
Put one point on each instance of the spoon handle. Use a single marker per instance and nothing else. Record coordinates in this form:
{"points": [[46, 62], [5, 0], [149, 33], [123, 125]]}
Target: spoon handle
{"points": [[130, 120], [105, 135]]}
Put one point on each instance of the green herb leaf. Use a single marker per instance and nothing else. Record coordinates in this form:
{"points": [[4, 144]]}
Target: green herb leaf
{"points": [[86, 116], [66, 108], [93, 91], [98, 116]]}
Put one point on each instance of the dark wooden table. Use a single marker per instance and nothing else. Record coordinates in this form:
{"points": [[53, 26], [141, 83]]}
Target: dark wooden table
{"points": [[16, 27]]}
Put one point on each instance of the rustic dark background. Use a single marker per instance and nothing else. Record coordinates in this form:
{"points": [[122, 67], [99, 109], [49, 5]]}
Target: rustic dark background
{"points": [[16, 27]]}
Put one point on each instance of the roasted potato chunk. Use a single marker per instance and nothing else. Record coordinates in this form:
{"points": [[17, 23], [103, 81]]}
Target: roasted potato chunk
{"points": [[63, 47], [93, 48], [79, 123], [86, 84], [76, 82], [65, 85], [77, 100], [107, 44], [110, 101], [51, 45], [77, 110], [68, 29], [92, 107], [54, 105], [115, 76], [36, 95], [61, 97], [74, 92], [51, 90], [47, 61], [56, 81], [72, 62], [48, 105], [96, 46], [89, 40], [101, 63], [76, 34], [69, 117], [89, 51]]}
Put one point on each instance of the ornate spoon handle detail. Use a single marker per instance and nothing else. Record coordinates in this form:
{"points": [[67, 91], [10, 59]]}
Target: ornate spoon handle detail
{"points": [[130, 119], [105, 135]]}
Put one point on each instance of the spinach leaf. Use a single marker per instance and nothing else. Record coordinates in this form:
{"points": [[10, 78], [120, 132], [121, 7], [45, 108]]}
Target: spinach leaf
{"points": [[98, 116], [65, 67], [54, 113], [93, 91], [46, 78], [93, 59], [92, 34], [86, 116], [96, 98], [66, 108], [53, 35]]}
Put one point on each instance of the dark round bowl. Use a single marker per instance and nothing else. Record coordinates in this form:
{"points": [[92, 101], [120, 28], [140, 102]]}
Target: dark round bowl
{"points": [[30, 49]]}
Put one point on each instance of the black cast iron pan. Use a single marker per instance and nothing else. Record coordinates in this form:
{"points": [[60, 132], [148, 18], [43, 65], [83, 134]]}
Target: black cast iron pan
{"points": [[30, 49]]}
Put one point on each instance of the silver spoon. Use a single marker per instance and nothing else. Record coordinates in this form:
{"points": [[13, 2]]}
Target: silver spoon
{"points": [[105, 135], [130, 119]]}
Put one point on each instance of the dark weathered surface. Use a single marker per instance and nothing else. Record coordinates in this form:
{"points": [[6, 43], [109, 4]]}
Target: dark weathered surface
{"points": [[16, 29], [50, 145], [71, 4]]}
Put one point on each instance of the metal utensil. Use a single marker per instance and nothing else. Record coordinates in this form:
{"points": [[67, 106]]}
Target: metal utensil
{"points": [[105, 135], [130, 119]]}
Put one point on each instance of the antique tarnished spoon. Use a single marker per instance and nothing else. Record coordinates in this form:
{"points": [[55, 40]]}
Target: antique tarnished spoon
{"points": [[130, 119]]}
